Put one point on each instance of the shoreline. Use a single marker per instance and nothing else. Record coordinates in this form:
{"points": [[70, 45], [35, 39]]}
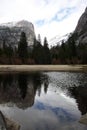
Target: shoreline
{"points": [[40, 68]]}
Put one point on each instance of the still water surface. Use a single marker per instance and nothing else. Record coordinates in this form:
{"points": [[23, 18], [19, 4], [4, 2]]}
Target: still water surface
{"points": [[45, 101]]}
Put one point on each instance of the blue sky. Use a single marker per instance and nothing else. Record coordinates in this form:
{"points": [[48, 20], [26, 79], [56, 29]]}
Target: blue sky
{"points": [[50, 17]]}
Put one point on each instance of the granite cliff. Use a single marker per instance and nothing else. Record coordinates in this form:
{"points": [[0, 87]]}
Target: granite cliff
{"points": [[10, 33], [81, 29]]}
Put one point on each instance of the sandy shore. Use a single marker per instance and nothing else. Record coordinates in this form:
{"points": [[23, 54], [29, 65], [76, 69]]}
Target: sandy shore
{"points": [[33, 68]]}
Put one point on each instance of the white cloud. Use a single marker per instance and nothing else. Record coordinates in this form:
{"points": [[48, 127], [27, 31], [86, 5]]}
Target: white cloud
{"points": [[45, 11]]}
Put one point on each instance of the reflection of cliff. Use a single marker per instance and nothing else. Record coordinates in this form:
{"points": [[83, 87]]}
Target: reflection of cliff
{"points": [[80, 94], [20, 89], [26, 92], [14, 89]]}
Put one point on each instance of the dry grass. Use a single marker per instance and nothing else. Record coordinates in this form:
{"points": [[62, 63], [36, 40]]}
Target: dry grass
{"points": [[32, 68]]}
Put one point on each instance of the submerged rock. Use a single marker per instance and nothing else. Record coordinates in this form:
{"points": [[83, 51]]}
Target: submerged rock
{"points": [[8, 124], [3, 125], [83, 119], [11, 125]]}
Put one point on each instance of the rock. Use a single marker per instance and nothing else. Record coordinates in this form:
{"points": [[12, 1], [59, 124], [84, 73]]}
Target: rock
{"points": [[11, 125], [3, 125], [7, 124], [81, 28], [10, 33], [83, 119]]}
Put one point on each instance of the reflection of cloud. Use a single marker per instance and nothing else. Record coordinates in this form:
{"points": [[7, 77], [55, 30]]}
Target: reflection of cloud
{"points": [[60, 113], [46, 119]]}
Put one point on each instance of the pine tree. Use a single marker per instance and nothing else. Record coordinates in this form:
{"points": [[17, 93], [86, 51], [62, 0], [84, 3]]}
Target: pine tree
{"points": [[62, 52], [72, 50], [39, 38], [47, 55], [23, 47]]}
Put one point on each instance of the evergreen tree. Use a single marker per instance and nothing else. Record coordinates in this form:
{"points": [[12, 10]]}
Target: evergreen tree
{"points": [[62, 52], [72, 46], [82, 53], [37, 53], [47, 55], [55, 52], [39, 38], [9, 51], [23, 47]]}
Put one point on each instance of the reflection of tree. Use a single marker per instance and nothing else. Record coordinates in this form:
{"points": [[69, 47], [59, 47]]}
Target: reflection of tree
{"points": [[0, 80], [22, 83], [46, 83], [80, 94], [37, 83], [38, 80], [21, 88], [7, 80]]}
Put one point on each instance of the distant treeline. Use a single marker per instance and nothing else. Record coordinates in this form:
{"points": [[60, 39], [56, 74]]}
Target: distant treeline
{"points": [[69, 52]]}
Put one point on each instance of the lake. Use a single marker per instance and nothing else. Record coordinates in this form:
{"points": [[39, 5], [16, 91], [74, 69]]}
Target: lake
{"points": [[44, 101]]}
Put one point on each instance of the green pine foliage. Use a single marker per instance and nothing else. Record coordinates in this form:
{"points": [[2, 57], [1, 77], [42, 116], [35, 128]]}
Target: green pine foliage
{"points": [[23, 47], [46, 53], [68, 52]]}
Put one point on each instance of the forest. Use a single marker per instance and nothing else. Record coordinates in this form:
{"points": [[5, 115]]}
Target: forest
{"points": [[68, 52]]}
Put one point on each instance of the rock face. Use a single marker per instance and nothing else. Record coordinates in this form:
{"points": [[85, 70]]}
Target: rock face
{"points": [[10, 33], [81, 28]]}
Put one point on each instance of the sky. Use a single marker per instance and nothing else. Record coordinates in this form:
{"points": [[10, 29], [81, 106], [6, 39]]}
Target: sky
{"points": [[50, 17]]}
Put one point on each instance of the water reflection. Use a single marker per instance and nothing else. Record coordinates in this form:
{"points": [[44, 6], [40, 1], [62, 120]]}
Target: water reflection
{"points": [[74, 85], [22, 84], [44, 101], [80, 94], [21, 88]]}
